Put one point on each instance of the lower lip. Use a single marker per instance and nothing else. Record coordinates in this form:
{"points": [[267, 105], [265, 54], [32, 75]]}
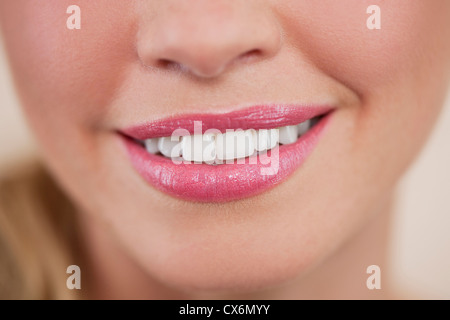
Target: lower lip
{"points": [[227, 182]]}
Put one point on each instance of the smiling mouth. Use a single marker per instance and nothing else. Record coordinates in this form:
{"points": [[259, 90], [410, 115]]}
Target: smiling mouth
{"points": [[216, 148], [238, 154]]}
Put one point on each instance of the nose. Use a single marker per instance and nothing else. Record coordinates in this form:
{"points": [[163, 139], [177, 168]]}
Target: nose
{"points": [[206, 37]]}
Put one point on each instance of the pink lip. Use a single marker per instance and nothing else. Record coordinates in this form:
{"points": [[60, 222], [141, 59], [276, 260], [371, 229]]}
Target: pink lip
{"points": [[267, 117], [227, 182]]}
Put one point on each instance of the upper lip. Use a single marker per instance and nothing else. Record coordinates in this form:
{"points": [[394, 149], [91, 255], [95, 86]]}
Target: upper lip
{"points": [[256, 117]]}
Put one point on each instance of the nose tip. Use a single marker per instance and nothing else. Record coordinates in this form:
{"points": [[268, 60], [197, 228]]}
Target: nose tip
{"points": [[205, 42]]}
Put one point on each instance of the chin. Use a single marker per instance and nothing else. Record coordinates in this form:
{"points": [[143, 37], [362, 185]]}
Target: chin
{"points": [[230, 267]]}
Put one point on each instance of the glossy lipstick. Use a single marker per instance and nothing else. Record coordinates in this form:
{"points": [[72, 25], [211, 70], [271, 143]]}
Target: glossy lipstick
{"points": [[226, 182]]}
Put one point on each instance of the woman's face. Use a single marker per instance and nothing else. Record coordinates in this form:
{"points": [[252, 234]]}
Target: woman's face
{"points": [[142, 62]]}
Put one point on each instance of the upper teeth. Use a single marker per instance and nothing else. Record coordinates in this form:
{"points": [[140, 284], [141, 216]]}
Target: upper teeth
{"points": [[216, 148]]}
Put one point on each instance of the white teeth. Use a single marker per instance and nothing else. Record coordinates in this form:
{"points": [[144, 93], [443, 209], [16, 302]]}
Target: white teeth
{"points": [[199, 148], [265, 139], [152, 145], [217, 147], [235, 145], [274, 138], [288, 134], [209, 148], [303, 127], [261, 140], [170, 147]]}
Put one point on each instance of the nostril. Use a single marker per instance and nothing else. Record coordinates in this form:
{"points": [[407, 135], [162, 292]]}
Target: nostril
{"points": [[173, 65], [249, 55], [165, 63]]}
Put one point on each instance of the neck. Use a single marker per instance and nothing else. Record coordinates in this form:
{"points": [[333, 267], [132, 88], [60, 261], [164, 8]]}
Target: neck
{"points": [[111, 274]]}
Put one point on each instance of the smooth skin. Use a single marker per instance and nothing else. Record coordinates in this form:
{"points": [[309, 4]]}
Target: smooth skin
{"points": [[312, 236]]}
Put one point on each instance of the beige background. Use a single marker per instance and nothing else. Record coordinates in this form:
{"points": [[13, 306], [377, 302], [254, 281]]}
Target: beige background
{"points": [[421, 233]]}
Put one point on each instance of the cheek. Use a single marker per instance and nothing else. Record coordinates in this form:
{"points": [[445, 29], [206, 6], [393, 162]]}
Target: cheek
{"points": [[335, 36], [400, 72], [68, 77]]}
